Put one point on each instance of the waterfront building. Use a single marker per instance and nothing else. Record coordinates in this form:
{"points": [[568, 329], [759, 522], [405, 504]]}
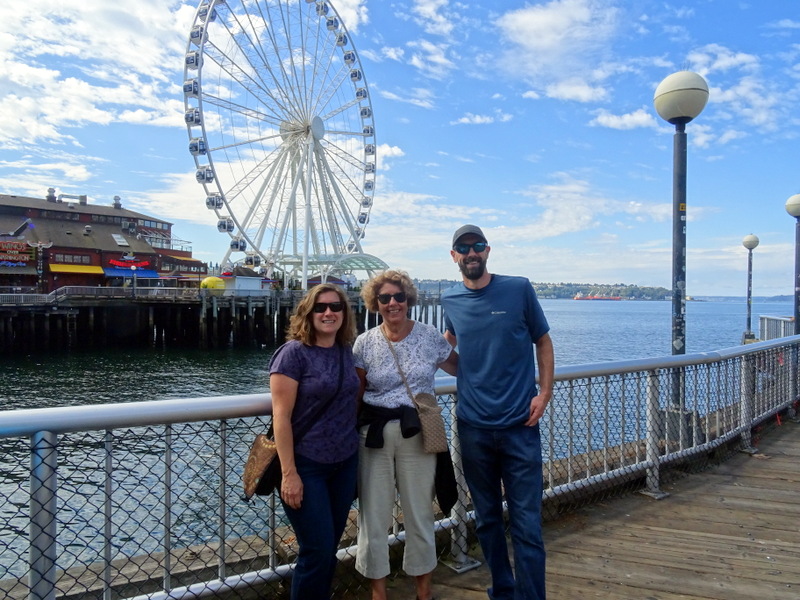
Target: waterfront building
{"points": [[63, 240]]}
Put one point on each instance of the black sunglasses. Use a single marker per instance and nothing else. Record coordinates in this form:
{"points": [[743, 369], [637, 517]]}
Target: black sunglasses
{"points": [[464, 248], [321, 307], [386, 298]]}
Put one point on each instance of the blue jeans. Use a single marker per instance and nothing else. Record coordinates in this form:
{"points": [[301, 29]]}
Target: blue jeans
{"points": [[513, 457], [328, 493]]}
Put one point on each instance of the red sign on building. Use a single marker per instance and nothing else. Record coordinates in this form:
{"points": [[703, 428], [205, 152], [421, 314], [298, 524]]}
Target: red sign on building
{"points": [[17, 253]]}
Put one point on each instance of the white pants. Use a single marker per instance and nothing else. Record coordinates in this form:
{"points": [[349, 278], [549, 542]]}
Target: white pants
{"points": [[400, 465]]}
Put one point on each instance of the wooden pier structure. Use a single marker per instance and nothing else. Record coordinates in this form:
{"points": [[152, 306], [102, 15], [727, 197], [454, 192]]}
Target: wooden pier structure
{"points": [[85, 317], [728, 533]]}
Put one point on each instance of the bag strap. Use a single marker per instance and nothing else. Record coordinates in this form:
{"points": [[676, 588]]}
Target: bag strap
{"points": [[397, 363], [309, 423]]}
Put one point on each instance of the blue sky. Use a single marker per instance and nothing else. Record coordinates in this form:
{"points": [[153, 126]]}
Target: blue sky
{"points": [[533, 120]]}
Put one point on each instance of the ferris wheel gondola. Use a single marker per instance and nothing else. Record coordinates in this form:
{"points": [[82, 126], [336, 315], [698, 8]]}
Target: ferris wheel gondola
{"points": [[281, 129]]}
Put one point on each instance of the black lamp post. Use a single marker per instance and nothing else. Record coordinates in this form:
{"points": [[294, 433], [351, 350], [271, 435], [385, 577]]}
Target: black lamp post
{"points": [[750, 242], [679, 98], [793, 208]]}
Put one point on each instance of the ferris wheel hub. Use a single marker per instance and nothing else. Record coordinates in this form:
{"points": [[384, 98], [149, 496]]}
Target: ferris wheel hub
{"points": [[317, 128], [294, 129]]}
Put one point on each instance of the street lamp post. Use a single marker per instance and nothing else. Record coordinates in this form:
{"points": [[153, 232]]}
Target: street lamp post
{"points": [[678, 99], [750, 242], [793, 208]]}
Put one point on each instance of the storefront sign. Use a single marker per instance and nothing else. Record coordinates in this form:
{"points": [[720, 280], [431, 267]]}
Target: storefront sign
{"points": [[128, 263], [18, 253]]}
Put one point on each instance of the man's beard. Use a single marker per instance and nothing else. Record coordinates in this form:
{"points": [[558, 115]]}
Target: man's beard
{"points": [[473, 270]]}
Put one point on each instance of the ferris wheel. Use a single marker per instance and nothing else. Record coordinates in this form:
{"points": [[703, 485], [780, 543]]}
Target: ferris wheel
{"points": [[281, 130]]}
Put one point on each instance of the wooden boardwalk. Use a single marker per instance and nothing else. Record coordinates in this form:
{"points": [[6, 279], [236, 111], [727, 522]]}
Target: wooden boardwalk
{"points": [[729, 533]]}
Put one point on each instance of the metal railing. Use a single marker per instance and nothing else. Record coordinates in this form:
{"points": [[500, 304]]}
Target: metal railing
{"points": [[771, 328], [24, 299], [142, 500], [80, 292]]}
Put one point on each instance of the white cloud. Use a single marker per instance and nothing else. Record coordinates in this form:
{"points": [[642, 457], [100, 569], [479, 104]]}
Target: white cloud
{"points": [[785, 24], [422, 97], [430, 59], [33, 176], [385, 153], [98, 72], [571, 204], [677, 34], [176, 196], [472, 119], [561, 38], [353, 13], [749, 100], [576, 89], [393, 53], [429, 14], [714, 57], [634, 120], [700, 135], [731, 134]]}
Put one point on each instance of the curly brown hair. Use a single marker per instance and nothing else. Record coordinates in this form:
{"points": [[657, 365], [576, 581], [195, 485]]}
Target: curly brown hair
{"points": [[399, 278], [301, 325]]}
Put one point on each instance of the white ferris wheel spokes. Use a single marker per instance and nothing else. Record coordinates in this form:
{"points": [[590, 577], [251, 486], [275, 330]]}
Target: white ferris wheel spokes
{"points": [[281, 129]]}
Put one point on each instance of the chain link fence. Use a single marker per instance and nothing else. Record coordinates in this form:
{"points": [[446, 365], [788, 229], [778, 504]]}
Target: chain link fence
{"points": [[145, 500]]}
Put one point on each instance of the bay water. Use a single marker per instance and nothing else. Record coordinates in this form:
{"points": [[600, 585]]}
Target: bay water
{"points": [[583, 331]]}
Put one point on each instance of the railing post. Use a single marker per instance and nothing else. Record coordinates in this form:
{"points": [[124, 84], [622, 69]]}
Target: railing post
{"points": [[108, 508], [43, 507], [655, 423], [793, 354], [168, 491], [222, 453], [460, 561], [746, 399]]}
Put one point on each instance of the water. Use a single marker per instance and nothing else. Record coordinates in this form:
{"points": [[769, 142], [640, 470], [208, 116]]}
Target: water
{"points": [[582, 332], [99, 377], [597, 331]]}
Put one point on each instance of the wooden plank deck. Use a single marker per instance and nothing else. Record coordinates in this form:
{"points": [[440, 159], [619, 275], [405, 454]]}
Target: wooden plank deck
{"points": [[729, 533]]}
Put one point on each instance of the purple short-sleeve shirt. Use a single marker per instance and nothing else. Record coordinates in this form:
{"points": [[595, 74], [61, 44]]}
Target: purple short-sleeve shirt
{"points": [[333, 436]]}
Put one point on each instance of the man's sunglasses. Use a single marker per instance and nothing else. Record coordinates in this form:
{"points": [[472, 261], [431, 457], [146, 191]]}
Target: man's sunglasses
{"points": [[464, 248], [386, 298], [321, 307]]}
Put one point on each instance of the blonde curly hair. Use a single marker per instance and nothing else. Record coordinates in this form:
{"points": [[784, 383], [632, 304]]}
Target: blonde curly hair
{"points": [[399, 278]]}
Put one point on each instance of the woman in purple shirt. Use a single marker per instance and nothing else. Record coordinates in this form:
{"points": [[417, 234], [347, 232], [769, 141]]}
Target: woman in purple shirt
{"points": [[314, 388]]}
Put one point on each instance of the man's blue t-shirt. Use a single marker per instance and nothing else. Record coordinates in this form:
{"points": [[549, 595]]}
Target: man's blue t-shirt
{"points": [[495, 328]]}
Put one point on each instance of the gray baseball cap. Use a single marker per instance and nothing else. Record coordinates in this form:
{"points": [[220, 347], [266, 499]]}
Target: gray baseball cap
{"points": [[465, 229]]}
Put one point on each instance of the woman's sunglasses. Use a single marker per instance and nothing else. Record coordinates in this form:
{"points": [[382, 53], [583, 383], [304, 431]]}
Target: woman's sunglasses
{"points": [[464, 248], [386, 298], [321, 307]]}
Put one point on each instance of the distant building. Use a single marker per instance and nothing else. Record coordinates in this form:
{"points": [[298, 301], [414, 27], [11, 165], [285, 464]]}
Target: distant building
{"points": [[56, 241]]}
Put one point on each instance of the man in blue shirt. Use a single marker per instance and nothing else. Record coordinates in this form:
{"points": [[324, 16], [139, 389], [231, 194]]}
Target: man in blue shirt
{"points": [[496, 321]]}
